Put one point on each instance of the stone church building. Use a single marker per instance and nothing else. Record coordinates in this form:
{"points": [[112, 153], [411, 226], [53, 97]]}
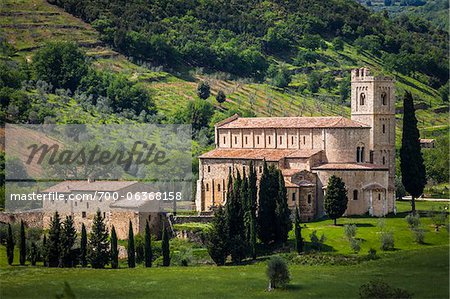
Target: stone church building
{"points": [[309, 150]]}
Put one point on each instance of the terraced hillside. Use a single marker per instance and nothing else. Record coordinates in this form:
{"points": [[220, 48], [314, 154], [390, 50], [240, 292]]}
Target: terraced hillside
{"points": [[27, 25]]}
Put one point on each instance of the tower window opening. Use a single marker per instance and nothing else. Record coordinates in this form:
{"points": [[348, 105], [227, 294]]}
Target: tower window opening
{"points": [[384, 128], [384, 99], [207, 187], [362, 98], [379, 196], [309, 198], [384, 160], [355, 194], [294, 195], [209, 168]]}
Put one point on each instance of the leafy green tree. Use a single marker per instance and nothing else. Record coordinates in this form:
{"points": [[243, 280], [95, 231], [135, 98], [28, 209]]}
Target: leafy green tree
{"points": [[61, 64], [411, 160], [283, 213], [220, 97], [148, 246], [279, 76], [298, 232], [68, 237], [335, 202], [98, 247], [22, 244], [10, 245], [217, 238], [33, 254], [114, 249], [165, 247], [444, 92], [131, 250], [54, 241], [437, 161], [313, 82], [203, 90], [338, 44], [83, 246]]}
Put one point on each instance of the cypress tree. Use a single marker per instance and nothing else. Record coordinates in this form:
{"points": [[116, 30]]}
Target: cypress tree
{"points": [[283, 213], [148, 254], [131, 250], [98, 247], [165, 247], [252, 198], [68, 237], [33, 254], [83, 246], [235, 220], [10, 245], [54, 239], [44, 251], [22, 244], [298, 232], [411, 160], [335, 202], [114, 250], [267, 205], [246, 210], [217, 240]]}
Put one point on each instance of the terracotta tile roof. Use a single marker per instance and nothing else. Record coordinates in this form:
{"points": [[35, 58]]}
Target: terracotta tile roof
{"points": [[291, 122], [350, 166], [69, 186], [258, 154]]}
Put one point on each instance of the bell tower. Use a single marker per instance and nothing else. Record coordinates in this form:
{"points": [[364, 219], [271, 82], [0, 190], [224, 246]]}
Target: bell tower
{"points": [[373, 103]]}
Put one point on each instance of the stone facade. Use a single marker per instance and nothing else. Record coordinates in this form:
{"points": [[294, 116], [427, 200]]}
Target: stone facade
{"points": [[308, 150]]}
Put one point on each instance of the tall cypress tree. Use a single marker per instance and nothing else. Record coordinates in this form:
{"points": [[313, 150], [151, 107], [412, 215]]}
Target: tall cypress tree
{"points": [[246, 210], [22, 244], [83, 246], [131, 250], [235, 221], [68, 237], [114, 249], [217, 238], [268, 191], [33, 254], [252, 198], [98, 250], [283, 213], [148, 254], [165, 246], [411, 160], [10, 245], [53, 242], [335, 202], [44, 251], [298, 232]]}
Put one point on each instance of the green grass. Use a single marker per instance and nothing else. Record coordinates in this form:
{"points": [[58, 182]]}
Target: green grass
{"points": [[423, 272]]}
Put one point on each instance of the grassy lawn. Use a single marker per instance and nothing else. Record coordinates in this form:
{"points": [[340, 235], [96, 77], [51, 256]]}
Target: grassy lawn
{"points": [[423, 272]]}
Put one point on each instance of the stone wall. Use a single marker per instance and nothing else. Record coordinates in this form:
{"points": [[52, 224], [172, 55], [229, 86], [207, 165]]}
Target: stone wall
{"points": [[31, 218]]}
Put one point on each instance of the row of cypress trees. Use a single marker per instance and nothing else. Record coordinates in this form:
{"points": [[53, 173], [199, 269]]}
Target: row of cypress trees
{"points": [[237, 225], [99, 250]]}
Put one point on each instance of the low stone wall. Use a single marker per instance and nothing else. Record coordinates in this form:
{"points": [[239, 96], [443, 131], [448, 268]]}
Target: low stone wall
{"points": [[187, 219], [31, 218]]}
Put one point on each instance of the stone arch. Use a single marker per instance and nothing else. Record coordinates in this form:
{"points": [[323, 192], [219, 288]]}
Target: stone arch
{"points": [[362, 99]]}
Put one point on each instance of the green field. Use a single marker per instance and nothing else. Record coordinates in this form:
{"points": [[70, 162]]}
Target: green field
{"points": [[420, 269]]}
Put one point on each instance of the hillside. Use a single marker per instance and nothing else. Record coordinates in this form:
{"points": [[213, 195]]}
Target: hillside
{"points": [[27, 25]]}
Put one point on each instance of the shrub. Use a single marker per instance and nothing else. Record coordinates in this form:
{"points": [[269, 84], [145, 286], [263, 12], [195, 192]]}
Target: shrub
{"points": [[183, 257], [316, 242], [277, 272], [372, 254], [413, 220], [387, 241], [355, 245], [378, 289], [350, 231], [203, 90], [419, 235]]}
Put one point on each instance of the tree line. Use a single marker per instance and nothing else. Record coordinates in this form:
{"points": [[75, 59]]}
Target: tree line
{"points": [[97, 249]]}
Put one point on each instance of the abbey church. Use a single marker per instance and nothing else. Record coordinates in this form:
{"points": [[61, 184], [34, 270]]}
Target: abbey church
{"points": [[309, 150]]}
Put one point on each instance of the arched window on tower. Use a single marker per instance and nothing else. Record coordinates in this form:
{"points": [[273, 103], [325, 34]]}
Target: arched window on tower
{"points": [[384, 128], [355, 194], [361, 159], [384, 160], [309, 198], [358, 154], [384, 98], [362, 98]]}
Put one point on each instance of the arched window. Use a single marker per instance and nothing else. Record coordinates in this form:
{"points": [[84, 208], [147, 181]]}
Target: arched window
{"points": [[358, 154], [309, 198], [362, 98], [384, 98], [384, 128], [379, 196], [361, 159], [384, 160], [294, 196], [209, 168], [355, 194]]}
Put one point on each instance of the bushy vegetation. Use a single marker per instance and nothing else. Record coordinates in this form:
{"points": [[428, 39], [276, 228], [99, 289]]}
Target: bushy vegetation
{"points": [[277, 272], [379, 289]]}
